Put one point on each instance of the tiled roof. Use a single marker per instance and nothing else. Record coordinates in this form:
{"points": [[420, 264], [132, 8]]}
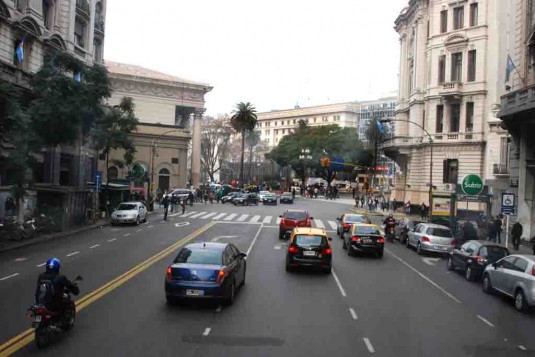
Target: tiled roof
{"points": [[138, 71]]}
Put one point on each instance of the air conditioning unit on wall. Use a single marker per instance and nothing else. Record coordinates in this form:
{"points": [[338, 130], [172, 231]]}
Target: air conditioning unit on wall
{"points": [[448, 187]]}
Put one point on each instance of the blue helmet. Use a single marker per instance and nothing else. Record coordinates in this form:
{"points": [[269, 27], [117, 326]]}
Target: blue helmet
{"points": [[53, 265]]}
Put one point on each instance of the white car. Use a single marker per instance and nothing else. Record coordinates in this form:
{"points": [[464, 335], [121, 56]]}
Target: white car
{"points": [[129, 212], [262, 195]]}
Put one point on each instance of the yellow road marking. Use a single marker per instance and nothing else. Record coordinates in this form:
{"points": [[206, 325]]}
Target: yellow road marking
{"points": [[26, 337]]}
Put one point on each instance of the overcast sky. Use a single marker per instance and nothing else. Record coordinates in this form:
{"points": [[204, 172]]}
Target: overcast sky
{"points": [[272, 53]]}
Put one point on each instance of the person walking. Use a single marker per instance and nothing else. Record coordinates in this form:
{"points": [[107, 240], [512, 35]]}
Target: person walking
{"points": [[498, 229], [491, 231], [423, 210], [316, 192], [293, 193], [408, 208], [165, 203], [516, 233], [183, 204]]}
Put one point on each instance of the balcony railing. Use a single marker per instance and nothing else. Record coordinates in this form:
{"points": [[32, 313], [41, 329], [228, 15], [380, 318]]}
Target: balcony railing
{"points": [[501, 169], [521, 100], [437, 138], [82, 6], [451, 89]]}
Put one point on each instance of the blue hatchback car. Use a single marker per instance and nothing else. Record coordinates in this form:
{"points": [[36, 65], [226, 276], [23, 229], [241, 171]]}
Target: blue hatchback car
{"points": [[205, 271]]}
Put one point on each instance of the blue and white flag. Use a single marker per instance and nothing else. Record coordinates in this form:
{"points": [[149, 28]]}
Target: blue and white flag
{"points": [[19, 51], [380, 126], [78, 77], [509, 68]]}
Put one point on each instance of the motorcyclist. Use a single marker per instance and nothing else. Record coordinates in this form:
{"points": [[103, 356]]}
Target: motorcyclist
{"points": [[389, 222], [51, 285]]}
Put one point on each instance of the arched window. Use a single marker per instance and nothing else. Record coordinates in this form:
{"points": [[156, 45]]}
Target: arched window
{"points": [[164, 177], [113, 173]]}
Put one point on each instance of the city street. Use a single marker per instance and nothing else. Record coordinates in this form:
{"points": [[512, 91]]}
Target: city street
{"points": [[401, 305]]}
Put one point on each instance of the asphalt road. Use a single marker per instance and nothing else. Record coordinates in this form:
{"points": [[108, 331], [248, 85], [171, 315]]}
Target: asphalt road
{"points": [[401, 305]]}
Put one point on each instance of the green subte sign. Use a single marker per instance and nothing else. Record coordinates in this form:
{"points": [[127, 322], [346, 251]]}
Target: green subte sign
{"points": [[472, 185]]}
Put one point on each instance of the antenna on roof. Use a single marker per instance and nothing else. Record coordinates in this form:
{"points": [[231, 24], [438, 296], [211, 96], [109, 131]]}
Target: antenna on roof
{"points": [[204, 244]]}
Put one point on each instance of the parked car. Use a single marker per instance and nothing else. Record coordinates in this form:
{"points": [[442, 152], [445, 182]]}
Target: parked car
{"points": [[262, 195], [287, 197], [512, 276], [347, 219], [205, 271], [246, 199], [309, 248], [230, 197], [365, 238], [129, 212], [431, 238], [473, 256], [291, 219], [181, 193], [270, 199]]}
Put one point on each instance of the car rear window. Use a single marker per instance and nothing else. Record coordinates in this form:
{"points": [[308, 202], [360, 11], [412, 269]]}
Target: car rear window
{"points": [[127, 207], [310, 241], [199, 256], [439, 232], [297, 216], [356, 219], [494, 253], [366, 230]]}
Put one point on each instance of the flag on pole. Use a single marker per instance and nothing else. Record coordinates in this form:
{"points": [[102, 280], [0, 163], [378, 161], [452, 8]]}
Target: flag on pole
{"points": [[380, 126], [78, 77], [509, 68], [19, 51]]}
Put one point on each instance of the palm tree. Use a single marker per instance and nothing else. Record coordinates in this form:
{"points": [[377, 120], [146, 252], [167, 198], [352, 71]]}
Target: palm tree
{"points": [[375, 136], [253, 139], [243, 120], [302, 124]]}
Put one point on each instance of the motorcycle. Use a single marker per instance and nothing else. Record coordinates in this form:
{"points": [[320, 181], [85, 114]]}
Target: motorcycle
{"points": [[50, 324], [390, 234]]}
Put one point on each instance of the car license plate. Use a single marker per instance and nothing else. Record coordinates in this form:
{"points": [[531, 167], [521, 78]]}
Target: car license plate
{"points": [[194, 292], [439, 247], [367, 240], [309, 253], [37, 318]]}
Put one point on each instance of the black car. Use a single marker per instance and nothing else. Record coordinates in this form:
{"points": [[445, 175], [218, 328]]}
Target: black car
{"points": [[287, 197], [230, 197], [309, 248], [270, 199], [365, 238], [246, 199], [473, 256]]}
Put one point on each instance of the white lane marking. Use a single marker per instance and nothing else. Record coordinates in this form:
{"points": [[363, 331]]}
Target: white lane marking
{"points": [[9, 276], [353, 313], [40, 265], [150, 226], [485, 320], [267, 219], [319, 223], [174, 214], [139, 230], [369, 345], [424, 277], [242, 218], [94, 246], [181, 224], [264, 226], [113, 239], [342, 291], [430, 261], [277, 247], [206, 331], [218, 308], [278, 221], [71, 254], [522, 348], [209, 215], [255, 219], [253, 242], [332, 224], [126, 235], [198, 215], [230, 216], [219, 216], [189, 214], [216, 239]]}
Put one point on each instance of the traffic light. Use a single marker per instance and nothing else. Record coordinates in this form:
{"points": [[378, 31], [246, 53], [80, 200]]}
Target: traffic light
{"points": [[325, 162]]}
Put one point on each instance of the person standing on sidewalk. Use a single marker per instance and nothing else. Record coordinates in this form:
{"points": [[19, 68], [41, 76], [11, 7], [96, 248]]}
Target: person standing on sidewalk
{"points": [[498, 229], [516, 233], [423, 210], [165, 203], [183, 204]]}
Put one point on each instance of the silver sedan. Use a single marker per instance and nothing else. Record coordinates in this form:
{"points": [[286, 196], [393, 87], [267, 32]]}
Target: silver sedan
{"points": [[129, 212], [428, 237], [512, 276]]}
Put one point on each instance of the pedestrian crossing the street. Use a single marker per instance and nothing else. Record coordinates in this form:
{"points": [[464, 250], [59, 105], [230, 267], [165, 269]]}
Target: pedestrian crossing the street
{"points": [[247, 218]]}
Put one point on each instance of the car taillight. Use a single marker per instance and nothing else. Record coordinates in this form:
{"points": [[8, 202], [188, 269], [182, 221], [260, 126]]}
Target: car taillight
{"points": [[327, 251], [221, 276], [355, 239], [346, 225], [380, 240], [293, 249], [169, 273], [454, 242], [283, 221], [308, 221], [425, 239], [480, 259], [533, 270]]}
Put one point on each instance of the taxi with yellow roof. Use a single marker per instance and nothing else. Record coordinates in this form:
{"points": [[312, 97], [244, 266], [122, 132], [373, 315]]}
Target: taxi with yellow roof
{"points": [[309, 248]]}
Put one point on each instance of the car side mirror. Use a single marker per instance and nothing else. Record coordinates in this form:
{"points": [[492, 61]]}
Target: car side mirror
{"points": [[78, 278], [243, 255], [330, 239], [495, 266], [280, 216], [311, 218]]}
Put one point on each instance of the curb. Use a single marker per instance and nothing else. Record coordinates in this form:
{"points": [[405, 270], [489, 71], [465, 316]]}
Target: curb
{"points": [[50, 237]]}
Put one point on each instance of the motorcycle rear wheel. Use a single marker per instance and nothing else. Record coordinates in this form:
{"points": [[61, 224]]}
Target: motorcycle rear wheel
{"points": [[69, 318], [42, 337]]}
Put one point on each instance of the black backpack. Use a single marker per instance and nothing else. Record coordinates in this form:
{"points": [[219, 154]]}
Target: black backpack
{"points": [[45, 292]]}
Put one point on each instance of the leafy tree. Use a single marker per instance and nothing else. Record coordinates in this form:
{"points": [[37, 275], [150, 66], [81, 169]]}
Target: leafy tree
{"points": [[252, 139], [214, 146], [375, 136], [243, 120], [302, 124]]}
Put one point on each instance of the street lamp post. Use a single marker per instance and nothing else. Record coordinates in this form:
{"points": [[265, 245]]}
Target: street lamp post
{"points": [[389, 120], [305, 155]]}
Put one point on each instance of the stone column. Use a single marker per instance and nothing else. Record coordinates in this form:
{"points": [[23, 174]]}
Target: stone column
{"points": [[196, 148]]}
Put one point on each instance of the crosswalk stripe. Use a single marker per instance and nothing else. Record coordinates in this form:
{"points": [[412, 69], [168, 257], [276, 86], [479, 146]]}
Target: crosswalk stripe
{"points": [[278, 221], [174, 214], [189, 214], [230, 217], [219, 216], [255, 219], [209, 215], [319, 223], [333, 224], [198, 215], [267, 219], [242, 217]]}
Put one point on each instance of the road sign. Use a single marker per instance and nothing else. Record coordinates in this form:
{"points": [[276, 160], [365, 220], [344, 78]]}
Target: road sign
{"points": [[508, 203], [337, 163], [98, 181], [472, 185]]}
